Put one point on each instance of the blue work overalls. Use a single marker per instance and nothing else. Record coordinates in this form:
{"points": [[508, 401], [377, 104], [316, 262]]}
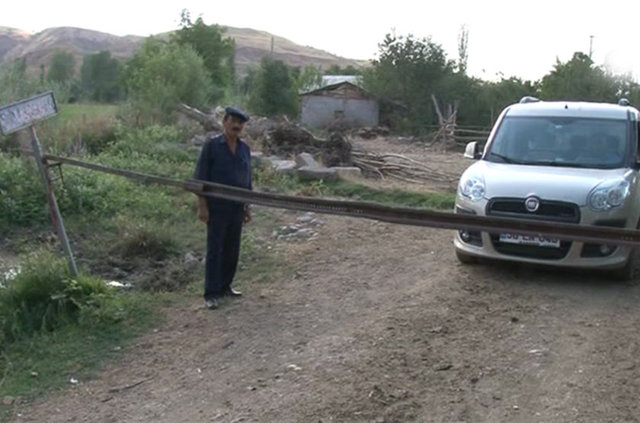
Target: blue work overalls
{"points": [[218, 164]]}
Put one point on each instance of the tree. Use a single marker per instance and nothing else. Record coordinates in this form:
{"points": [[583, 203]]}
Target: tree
{"points": [[495, 96], [274, 90], [100, 77], [347, 70], [160, 76], [307, 78], [16, 83], [216, 51], [407, 71], [62, 67], [463, 47], [627, 87], [578, 79]]}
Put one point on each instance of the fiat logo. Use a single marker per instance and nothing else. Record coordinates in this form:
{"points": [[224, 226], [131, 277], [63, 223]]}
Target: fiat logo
{"points": [[532, 204]]}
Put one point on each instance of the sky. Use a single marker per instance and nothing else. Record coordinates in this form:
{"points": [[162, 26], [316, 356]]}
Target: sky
{"points": [[506, 38]]}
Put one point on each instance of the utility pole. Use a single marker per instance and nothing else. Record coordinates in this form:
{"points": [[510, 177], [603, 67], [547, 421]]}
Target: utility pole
{"points": [[591, 45]]}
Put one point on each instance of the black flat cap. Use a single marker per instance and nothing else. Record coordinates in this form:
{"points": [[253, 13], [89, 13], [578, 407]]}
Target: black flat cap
{"points": [[239, 113]]}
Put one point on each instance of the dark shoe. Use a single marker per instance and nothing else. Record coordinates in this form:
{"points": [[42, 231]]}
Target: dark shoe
{"points": [[232, 293], [211, 303]]}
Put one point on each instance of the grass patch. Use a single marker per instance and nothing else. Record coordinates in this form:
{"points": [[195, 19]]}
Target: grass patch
{"points": [[76, 111], [147, 241], [394, 197], [80, 129], [54, 326], [31, 367], [267, 179]]}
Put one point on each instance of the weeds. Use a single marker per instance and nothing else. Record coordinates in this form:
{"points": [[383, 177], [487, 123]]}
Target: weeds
{"points": [[80, 129], [44, 296], [141, 240]]}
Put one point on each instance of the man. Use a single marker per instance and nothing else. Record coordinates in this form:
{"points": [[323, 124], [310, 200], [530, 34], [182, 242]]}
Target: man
{"points": [[224, 159]]}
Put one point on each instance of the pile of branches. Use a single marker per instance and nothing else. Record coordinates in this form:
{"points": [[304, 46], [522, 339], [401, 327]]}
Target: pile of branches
{"points": [[369, 133], [208, 121], [336, 151], [288, 139], [399, 167]]}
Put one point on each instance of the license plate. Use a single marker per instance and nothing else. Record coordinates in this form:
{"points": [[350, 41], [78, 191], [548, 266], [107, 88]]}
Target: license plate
{"points": [[538, 241]]}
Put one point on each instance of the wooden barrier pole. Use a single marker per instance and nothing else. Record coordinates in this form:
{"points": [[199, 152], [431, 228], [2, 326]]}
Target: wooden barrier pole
{"points": [[56, 218]]}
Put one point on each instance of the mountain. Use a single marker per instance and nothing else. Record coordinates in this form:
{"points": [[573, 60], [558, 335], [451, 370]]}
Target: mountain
{"points": [[251, 47], [9, 39]]}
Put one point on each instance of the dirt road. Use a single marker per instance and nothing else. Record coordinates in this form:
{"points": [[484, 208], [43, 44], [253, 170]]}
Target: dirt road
{"points": [[379, 323]]}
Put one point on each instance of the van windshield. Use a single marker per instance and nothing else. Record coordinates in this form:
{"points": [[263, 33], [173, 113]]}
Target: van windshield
{"points": [[561, 141]]}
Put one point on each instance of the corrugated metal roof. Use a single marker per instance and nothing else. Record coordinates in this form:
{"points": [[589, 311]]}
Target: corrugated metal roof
{"points": [[335, 87], [330, 80], [336, 79]]}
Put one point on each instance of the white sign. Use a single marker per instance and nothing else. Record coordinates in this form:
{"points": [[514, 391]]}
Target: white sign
{"points": [[25, 112]]}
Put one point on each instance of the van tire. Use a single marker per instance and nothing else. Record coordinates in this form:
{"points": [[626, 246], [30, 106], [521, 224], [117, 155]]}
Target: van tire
{"points": [[630, 273]]}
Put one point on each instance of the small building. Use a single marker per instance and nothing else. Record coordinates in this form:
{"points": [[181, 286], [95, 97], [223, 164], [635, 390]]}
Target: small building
{"points": [[344, 103]]}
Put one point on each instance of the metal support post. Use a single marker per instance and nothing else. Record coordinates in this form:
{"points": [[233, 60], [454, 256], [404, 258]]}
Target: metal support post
{"points": [[56, 218]]}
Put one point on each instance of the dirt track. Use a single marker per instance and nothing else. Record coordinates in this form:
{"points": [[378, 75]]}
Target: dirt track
{"points": [[389, 331], [379, 323]]}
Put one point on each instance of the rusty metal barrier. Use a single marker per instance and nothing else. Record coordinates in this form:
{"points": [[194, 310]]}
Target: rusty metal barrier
{"points": [[397, 215]]}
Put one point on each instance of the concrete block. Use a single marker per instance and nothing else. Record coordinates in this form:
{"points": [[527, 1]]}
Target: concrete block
{"points": [[324, 173], [284, 166], [257, 158], [306, 160], [347, 172]]}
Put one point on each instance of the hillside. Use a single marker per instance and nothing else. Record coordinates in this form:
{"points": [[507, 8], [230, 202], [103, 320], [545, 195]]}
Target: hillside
{"points": [[251, 46], [11, 38]]}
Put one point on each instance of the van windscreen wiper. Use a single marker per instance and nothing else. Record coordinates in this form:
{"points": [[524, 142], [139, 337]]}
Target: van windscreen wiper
{"points": [[505, 158]]}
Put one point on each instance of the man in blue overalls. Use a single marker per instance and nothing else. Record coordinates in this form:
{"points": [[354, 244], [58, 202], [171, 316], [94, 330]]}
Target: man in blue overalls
{"points": [[224, 159]]}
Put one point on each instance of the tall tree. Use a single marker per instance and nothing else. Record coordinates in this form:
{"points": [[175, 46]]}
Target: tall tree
{"points": [[578, 79], [463, 49], [100, 77], [407, 71], [62, 67], [160, 76], [274, 91], [216, 50], [307, 78]]}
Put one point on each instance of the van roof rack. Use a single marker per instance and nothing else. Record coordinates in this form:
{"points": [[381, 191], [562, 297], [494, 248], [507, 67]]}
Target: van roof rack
{"points": [[624, 102], [529, 99]]}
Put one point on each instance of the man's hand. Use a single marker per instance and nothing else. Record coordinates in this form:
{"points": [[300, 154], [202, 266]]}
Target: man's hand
{"points": [[247, 216], [203, 215], [203, 210]]}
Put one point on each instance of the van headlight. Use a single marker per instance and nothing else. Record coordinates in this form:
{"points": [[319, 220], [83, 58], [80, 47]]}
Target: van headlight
{"points": [[608, 194], [472, 187]]}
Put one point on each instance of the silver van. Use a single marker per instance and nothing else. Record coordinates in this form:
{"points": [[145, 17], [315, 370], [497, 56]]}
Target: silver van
{"points": [[571, 162]]}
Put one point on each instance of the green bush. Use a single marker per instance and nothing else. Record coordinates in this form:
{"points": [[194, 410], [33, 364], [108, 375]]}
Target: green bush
{"points": [[150, 149], [22, 199], [162, 75], [44, 296]]}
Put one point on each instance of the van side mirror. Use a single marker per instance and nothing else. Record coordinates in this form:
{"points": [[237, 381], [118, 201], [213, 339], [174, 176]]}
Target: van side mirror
{"points": [[473, 151]]}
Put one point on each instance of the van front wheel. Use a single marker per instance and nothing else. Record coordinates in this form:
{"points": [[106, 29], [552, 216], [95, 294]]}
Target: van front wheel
{"points": [[630, 273]]}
